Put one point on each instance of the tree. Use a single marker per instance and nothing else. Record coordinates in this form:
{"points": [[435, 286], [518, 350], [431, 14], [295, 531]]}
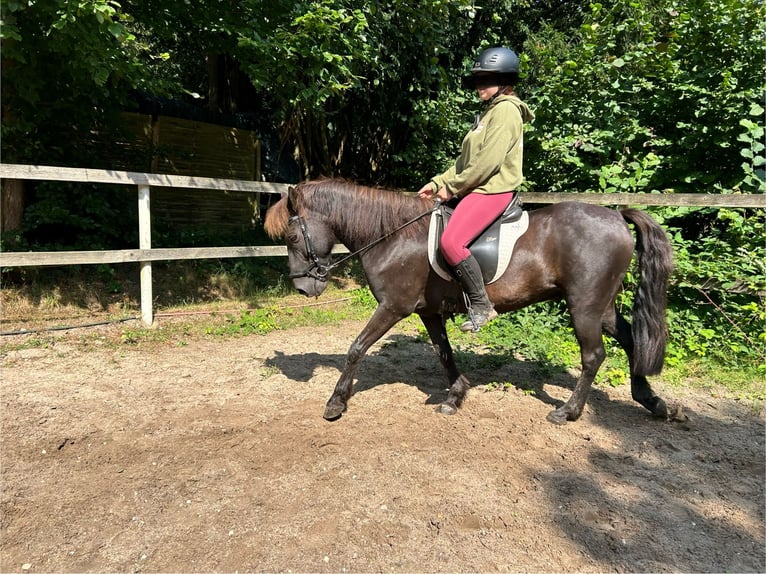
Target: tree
{"points": [[372, 91], [66, 66], [665, 97], [648, 96], [345, 79]]}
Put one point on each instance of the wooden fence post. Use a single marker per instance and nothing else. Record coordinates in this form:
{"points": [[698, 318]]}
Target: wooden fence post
{"points": [[145, 242]]}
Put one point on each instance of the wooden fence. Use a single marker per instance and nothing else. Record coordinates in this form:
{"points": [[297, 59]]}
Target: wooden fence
{"points": [[145, 181]]}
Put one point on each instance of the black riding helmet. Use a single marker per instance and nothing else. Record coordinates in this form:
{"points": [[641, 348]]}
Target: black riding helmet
{"points": [[501, 64]]}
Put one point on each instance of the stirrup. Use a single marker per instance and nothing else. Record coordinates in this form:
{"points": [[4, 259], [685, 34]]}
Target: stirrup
{"points": [[476, 320]]}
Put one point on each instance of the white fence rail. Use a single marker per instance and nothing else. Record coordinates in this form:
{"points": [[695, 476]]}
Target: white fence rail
{"points": [[145, 254]]}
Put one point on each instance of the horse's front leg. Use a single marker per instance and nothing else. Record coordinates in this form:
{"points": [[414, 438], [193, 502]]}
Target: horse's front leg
{"points": [[458, 383], [378, 325]]}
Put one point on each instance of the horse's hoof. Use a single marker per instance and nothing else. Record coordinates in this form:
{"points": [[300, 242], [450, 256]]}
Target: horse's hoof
{"points": [[557, 417], [660, 409], [445, 409], [333, 412]]}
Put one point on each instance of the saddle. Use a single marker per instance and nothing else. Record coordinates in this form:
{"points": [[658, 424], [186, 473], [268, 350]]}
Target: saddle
{"points": [[492, 249]]}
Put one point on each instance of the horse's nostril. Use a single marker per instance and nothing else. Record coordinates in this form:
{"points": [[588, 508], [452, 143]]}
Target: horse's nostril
{"points": [[302, 292]]}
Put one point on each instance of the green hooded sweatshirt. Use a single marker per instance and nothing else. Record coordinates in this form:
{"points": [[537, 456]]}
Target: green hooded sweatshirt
{"points": [[492, 153]]}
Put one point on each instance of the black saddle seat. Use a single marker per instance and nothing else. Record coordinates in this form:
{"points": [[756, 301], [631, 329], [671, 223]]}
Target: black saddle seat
{"points": [[485, 247]]}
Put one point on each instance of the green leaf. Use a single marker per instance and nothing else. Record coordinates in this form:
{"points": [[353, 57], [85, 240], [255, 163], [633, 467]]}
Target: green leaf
{"points": [[116, 29]]}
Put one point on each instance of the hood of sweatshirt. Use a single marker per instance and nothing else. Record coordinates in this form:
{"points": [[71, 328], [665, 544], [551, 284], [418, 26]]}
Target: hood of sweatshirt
{"points": [[527, 115]]}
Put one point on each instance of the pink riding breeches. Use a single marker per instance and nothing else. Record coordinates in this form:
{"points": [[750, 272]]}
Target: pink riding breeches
{"points": [[472, 215]]}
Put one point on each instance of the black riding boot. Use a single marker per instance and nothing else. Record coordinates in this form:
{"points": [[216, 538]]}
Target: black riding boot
{"points": [[480, 309]]}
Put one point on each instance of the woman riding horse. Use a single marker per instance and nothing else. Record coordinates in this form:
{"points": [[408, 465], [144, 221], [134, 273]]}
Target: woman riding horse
{"points": [[485, 175], [572, 251]]}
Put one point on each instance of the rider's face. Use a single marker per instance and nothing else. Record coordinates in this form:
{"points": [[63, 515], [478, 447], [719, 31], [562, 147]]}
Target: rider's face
{"points": [[486, 85], [486, 92]]}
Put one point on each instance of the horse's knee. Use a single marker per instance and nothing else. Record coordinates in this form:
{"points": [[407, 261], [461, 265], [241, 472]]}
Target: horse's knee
{"points": [[593, 359], [355, 353]]}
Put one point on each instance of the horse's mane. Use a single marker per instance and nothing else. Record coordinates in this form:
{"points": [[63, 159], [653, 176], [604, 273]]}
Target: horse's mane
{"points": [[367, 212]]}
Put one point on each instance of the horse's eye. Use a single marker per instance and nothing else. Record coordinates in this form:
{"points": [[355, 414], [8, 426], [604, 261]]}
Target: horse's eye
{"points": [[293, 238]]}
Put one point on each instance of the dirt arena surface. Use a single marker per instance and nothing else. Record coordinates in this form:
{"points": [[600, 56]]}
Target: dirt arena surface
{"points": [[212, 456]]}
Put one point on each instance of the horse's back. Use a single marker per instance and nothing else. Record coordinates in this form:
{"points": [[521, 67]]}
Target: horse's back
{"points": [[574, 228], [568, 247]]}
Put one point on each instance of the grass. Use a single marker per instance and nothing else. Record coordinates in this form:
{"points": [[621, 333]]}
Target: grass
{"points": [[219, 305], [541, 334], [42, 298]]}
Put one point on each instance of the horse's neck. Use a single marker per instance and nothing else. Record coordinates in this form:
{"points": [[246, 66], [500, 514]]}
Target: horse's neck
{"points": [[352, 238], [355, 235]]}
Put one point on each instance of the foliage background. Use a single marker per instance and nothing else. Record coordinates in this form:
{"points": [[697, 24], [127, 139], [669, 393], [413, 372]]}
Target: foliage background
{"points": [[641, 96]]}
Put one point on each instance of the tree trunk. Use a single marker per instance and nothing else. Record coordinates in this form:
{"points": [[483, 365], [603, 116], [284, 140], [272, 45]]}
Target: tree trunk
{"points": [[12, 204], [213, 91]]}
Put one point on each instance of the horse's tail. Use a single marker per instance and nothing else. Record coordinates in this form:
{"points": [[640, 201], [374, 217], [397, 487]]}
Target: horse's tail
{"points": [[655, 264]]}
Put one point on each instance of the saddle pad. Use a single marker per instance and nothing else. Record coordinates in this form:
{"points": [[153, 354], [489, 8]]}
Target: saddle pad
{"points": [[509, 234]]}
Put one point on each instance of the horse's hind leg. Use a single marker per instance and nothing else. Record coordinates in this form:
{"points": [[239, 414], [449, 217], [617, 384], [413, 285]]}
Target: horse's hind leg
{"points": [[378, 325], [619, 328], [587, 327], [459, 385]]}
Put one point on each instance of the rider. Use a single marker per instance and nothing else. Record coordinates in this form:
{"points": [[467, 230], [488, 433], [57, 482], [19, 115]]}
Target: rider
{"points": [[485, 175]]}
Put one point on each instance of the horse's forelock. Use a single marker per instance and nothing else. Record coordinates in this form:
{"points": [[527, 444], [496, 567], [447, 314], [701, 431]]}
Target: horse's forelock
{"points": [[275, 222]]}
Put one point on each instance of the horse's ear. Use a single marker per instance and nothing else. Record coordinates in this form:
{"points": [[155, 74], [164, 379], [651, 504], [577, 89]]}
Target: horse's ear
{"points": [[293, 200]]}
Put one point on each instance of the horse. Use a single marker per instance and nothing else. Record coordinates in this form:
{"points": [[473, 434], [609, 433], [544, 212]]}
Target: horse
{"points": [[573, 251]]}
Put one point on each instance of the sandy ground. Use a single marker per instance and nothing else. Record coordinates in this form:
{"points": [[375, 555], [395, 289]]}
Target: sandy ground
{"points": [[212, 456]]}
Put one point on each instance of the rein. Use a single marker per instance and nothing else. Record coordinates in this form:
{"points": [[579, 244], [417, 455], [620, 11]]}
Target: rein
{"points": [[319, 271]]}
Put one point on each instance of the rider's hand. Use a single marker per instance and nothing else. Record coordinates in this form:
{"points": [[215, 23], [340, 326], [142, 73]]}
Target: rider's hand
{"points": [[427, 191]]}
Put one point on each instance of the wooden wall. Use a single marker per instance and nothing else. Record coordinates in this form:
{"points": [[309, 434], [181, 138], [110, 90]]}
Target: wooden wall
{"points": [[184, 147]]}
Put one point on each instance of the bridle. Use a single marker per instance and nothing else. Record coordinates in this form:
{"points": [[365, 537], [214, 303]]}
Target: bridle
{"points": [[315, 270], [318, 270]]}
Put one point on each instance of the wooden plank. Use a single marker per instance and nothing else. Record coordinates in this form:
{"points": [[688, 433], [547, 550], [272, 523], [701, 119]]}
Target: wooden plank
{"points": [[56, 258], [649, 199], [175, 208], [50, 173], [130, 145]]}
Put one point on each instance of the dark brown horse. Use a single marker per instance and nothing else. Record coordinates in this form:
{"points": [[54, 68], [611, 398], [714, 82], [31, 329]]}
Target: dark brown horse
{"points": [[574, 251]]}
